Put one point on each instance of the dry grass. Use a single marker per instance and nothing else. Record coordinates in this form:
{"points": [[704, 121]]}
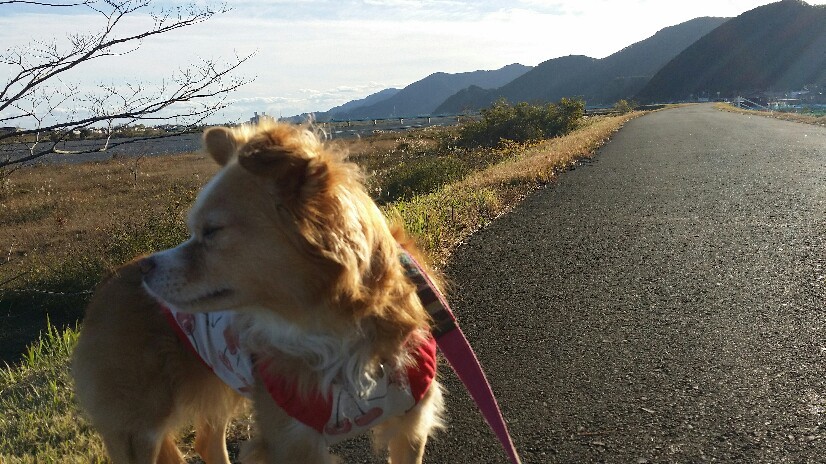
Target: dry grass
{"points": [[540, 163], [444, 218], [57, 212]]}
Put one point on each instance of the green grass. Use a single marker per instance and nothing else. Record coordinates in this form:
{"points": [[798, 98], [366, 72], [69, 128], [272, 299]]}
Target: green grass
{"points": [[39, 420], [439, 219], [423, 176]]}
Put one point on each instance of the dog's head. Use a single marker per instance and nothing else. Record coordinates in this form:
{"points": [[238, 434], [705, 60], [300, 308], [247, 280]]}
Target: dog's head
{"points": [[285, 226]]}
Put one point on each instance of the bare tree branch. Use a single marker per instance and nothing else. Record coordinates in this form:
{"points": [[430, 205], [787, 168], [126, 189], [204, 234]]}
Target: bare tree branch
{"points": [[89, 47], [31, 2], [39, 91]]}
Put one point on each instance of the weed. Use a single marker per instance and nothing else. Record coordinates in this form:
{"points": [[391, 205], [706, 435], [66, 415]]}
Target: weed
{"points": [[29, 213], [160, 230], [5, 184], [423, 176], [39, 421]]}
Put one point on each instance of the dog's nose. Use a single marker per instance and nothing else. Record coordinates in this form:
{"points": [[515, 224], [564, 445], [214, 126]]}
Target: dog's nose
{"points": [[147, 265]]}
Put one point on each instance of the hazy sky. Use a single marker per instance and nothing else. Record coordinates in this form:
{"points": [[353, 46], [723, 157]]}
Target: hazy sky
{"points": [[313, 55]]}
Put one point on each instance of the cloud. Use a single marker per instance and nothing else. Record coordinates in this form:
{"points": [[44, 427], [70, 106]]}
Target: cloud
{"points": [[261, 101]]}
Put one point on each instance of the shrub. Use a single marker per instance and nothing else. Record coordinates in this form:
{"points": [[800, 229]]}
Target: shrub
{"points": [[522, 122], [421, 176], [625, 106]]}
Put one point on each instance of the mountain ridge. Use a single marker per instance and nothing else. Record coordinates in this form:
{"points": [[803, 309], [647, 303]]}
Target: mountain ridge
{"points": [[775, 47], [598, 81], [423, 96], [780, 46]]}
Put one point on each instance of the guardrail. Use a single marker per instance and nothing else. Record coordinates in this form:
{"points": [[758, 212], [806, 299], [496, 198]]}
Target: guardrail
{"points": [[749, 105], [359, 127]]}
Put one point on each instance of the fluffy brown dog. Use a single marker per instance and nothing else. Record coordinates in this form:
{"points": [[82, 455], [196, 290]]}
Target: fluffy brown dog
{"points": [[288, 250]]}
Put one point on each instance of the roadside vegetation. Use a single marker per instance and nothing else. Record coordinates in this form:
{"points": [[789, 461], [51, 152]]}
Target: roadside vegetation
{"points": [[521, 123], [67, 225], [818, 119]]}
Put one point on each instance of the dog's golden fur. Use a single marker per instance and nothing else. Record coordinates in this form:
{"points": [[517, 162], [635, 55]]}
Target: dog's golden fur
{"points": [[286, 236], [138, 383]]}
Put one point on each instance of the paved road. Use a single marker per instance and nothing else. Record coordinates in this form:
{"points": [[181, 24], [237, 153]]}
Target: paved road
{"points": [[663, 302]]}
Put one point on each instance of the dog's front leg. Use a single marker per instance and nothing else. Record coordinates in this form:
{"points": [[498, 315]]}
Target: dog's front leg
{"points": [[281, 439], [405, 436], [210, 442], [285, 446]]}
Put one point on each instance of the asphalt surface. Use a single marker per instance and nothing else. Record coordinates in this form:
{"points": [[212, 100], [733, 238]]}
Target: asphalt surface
{"points": [[663, 302]]}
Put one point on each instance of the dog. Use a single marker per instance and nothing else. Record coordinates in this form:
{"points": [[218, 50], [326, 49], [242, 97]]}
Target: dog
{"points": [[304, 279]]}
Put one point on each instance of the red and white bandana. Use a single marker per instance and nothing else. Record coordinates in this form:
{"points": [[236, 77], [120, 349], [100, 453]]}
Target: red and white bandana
{"points": [[338, 415]]}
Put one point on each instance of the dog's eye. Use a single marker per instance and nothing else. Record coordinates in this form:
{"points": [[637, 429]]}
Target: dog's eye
{"points": [[209, 232]]}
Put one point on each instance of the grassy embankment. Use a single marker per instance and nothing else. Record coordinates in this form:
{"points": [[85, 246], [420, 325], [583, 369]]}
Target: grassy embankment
{"points": [[806, 118], [65, 226]]}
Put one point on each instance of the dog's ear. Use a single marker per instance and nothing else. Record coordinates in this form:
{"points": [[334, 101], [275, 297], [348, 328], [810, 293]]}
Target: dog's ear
{"points": [[220, 144], [296, 177]]}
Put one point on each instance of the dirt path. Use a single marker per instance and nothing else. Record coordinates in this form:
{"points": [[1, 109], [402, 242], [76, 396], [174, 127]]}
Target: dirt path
{"points": [[662, 303]]}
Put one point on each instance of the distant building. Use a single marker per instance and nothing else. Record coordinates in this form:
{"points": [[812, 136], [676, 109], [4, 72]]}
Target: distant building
{"points": [[259, 118], [810, 94]]}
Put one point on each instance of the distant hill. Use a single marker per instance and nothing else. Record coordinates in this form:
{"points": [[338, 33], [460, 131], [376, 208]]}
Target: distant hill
{"points": [[366, 101], [423, 96], [333, 113], [780, 46], [336, 112], [598, 81]]}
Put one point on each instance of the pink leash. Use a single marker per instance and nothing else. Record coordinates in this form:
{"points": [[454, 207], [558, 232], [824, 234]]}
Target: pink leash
{"points": [[458, 352]]}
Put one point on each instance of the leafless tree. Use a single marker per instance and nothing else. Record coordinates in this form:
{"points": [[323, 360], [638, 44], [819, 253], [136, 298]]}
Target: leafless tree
{"points": [[38, 82]]}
